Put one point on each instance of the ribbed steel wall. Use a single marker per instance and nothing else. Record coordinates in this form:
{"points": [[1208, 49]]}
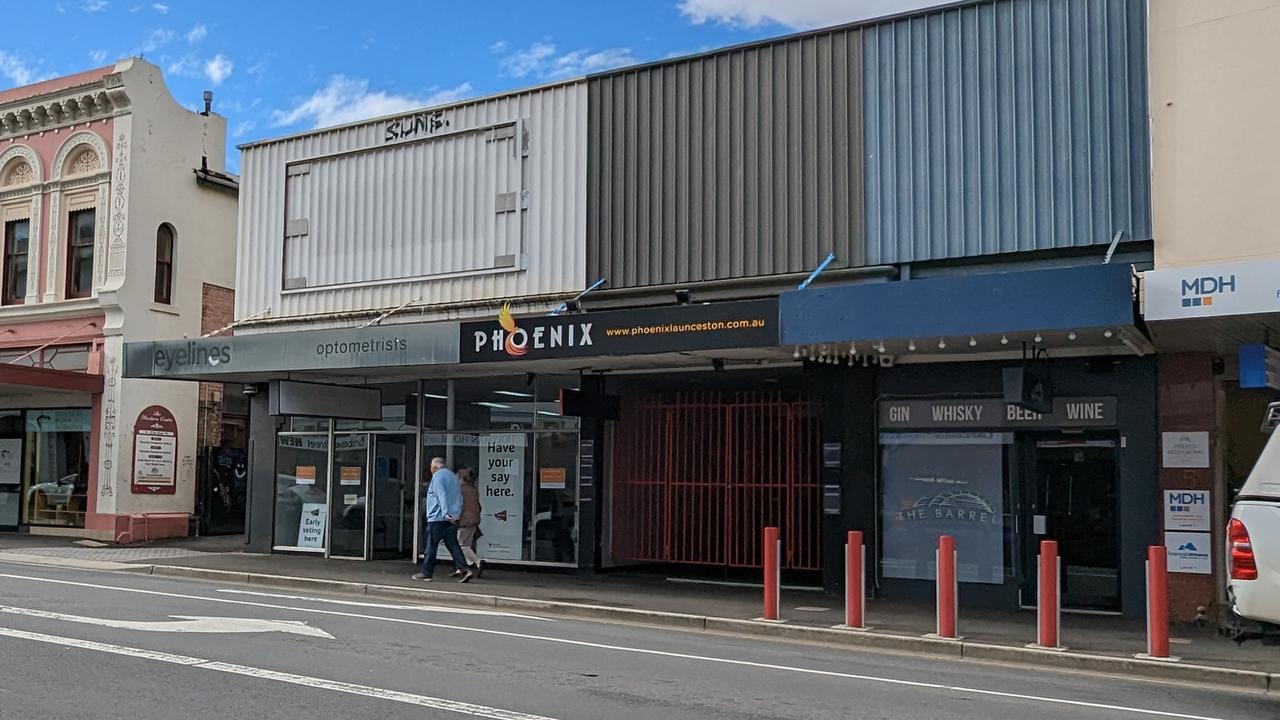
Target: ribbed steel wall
{"points": [[419, 207], [406, 210], [1006, 126], [731, 165]]}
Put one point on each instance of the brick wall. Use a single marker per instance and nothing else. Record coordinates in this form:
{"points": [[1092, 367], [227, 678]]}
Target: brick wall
{"points": [[217, 308], [1188, 402]]}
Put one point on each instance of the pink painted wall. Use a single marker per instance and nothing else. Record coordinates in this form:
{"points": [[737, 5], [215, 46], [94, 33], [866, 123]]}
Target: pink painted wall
{"points": [[46, 145], [78, 331], [56, 84]]}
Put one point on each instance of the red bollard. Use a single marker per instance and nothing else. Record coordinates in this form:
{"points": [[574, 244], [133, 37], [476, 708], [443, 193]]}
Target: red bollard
{"points": [[1049, 595], [1157, 602], [855, 581], [772, 573], [948, 590]]}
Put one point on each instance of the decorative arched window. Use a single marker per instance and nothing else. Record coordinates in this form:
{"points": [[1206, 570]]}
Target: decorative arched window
{"points": [[85, 163], [18, 173], [164, 264], [20, 179]]}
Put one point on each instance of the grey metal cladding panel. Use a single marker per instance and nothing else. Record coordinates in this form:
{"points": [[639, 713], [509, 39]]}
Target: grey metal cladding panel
{"points": [[1006, 126], [738, 164]]}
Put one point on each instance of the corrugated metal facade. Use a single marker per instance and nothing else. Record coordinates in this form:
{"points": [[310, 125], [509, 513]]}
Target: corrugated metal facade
{"points": [[732, 165], [995, 127], [1006, 126], [484, 200]]}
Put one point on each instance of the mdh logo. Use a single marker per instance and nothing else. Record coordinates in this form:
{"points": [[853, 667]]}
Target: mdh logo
{"points": [[1199, 292], [516, 341]]}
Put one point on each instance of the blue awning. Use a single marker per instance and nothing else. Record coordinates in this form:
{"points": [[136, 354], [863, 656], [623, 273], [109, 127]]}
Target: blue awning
{"points": [[1056, 300]]}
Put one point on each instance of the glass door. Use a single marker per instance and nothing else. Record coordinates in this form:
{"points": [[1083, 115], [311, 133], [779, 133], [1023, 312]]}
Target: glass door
{"points": [[1070, 496], [10, 468], [302, 491], [348, 502], [391, 521]]}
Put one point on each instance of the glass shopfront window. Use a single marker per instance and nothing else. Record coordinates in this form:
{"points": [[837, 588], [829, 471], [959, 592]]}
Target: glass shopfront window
{"points": [[56, 467], [954, 484], [302, 487], [509, 433]]}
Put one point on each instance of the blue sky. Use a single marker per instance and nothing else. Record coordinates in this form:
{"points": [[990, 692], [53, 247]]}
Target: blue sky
{"points": [[280, 66]]}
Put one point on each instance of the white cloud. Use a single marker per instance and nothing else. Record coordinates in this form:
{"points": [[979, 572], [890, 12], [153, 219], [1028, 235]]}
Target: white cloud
{"points": [[540, 59], [98, 56], [197, 33], [794, 14], [156, 40], [161, 8], [523, 62], [186, 66], [18, 72], [95, 5], [243, 128], [499, 47], [345, 100], [62, 9], [218, 68], [582, 62]]}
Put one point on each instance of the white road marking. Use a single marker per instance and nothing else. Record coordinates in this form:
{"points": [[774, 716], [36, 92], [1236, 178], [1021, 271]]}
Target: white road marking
{"points": [[264, 674], [656, 653], [182, 624], [388, 606]]}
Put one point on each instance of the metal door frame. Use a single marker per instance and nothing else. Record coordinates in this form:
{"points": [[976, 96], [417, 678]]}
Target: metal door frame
{"points": [[328, 488], [22, 472], [1027, 543], [410, 473]]}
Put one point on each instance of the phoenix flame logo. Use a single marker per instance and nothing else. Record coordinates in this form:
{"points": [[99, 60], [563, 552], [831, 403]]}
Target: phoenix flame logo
{"points": [[508, 324]]}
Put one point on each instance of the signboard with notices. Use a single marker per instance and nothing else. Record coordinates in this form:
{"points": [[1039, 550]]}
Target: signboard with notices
{"points": [[155, 452], [1185, 449], [1188, 552], [1186, 510]]}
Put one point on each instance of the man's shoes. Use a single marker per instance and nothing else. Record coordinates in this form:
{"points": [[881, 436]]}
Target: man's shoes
{"points": [[457, 573], [479, 570], [420, 576], [466, 578]]}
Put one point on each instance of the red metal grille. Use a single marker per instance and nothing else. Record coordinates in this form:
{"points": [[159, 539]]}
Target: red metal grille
{"points": [[697, 475]]}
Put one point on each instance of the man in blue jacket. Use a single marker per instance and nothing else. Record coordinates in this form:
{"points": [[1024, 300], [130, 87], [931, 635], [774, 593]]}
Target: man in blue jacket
{"points": [[441, 510]]}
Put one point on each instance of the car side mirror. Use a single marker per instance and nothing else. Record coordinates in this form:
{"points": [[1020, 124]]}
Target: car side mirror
{"points": [[1272, 418]]}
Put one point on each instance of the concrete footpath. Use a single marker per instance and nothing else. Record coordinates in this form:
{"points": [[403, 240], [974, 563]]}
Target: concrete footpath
{"points": [[1095, 643]]}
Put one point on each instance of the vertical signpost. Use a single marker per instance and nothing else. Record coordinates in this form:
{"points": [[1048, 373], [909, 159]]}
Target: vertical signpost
{"points": [[948, 588], [855, 582], [1157, 605], [1049, 596], [772, 573]]}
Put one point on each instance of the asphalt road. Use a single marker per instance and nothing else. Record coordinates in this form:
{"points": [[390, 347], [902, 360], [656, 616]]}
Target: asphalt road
{"points": [[81, 644]]}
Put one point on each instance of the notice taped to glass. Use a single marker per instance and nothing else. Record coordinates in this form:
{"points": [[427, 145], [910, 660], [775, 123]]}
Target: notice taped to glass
{"points": [[502, 490]]}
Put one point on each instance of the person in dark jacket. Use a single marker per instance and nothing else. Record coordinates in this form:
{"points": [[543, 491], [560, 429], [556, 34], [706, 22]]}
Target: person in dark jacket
{"points": [[469, 520]]}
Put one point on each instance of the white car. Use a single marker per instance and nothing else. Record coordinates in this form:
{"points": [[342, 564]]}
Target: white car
{"points": [[1253, 543]]}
